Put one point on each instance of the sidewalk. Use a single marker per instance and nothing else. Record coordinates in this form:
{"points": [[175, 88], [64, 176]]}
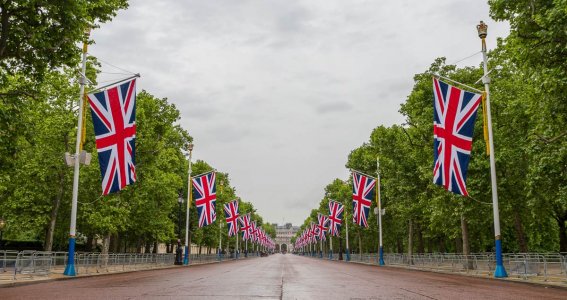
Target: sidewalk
{"points": [[554, 281]]}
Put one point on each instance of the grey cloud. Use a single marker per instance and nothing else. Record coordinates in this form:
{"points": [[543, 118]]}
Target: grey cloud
{"points": [[339, 106], [259, 83]]}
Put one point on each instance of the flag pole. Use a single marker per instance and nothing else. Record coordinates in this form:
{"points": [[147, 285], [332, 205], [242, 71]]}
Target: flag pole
{"points": [[330, 247], [220, 240], [189, 199], [236, 250], [70, 267], [500, 271], [320, 247], [379, 200], [347, 248]]}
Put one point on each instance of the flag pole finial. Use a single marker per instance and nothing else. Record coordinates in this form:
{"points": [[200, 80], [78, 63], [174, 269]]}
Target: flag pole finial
{"points": [[482, 29]]}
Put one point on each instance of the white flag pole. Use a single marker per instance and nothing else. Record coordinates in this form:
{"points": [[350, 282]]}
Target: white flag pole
{"points": [[189, 199], [70, 267], [499, 271], [347, 247], [378, 196]]}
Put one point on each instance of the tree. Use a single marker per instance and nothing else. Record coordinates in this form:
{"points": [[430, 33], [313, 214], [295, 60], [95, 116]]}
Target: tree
{"points": [[536, 46], [39, 35]]}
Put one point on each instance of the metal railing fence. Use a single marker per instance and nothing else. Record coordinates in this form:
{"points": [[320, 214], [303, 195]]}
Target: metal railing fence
{"points": [[26, 264], [548, 266]]}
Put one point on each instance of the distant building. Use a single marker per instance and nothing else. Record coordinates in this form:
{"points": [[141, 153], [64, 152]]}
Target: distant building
{"points": [[284, 233]]}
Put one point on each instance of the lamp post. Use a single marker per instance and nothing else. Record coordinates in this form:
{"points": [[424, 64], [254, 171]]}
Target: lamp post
{"points": [[499, 271], [2, 225], [379, 214], [178, 256], [70, 267], [189, 198], [220, 241]]}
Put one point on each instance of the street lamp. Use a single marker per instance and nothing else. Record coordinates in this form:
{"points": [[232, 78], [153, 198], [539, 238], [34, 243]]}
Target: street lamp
{"points": [[220, 240], [178, 257], [2, 225], [499, 270], [189, 196]]}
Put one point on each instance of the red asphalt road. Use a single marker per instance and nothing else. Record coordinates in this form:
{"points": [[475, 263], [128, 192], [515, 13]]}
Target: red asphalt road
{"points": [[282, 277]]}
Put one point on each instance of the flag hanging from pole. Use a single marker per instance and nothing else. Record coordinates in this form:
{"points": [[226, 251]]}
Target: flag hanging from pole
{"points": [[335, 217], [231, 215], [114, 119], [322, 227], [363, 189], [454, 113], [205, 196], [245, 226]]}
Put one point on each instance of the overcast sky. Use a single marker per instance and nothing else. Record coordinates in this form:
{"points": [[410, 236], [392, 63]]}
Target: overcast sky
{"points": [[277, 93]]}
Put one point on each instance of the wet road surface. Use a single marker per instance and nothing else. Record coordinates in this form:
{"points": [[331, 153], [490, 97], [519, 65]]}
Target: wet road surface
{"points": [[282, 277]]}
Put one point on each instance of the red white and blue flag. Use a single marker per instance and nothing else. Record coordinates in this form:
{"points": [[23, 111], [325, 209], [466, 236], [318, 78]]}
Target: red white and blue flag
{"points": [[231, 215], [204, 193], [253, 232], [363, 192], [335, 217], [245, 226], [114, 119], [312, 233], [454, 113], [322, 228]]}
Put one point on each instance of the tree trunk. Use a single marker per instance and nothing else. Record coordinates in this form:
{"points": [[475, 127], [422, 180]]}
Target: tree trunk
{"points": [[465, 235], [562, 234], [459, 245], [410, 242], [466, 246], [522, 238], [360, 244], [189, 243], [105, 248], [114, 242], [420, 245], [400, 245], [155, 247], [106, 243], [148, 247], [54, 211], [442, 247], [89, 246]]}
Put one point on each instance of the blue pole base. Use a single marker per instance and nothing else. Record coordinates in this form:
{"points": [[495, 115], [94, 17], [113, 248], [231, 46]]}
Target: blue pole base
{"points": [[347, 255], [381, 260], [186, 258], [331, 255], [499, 271], [320, 254], [70, 267]]}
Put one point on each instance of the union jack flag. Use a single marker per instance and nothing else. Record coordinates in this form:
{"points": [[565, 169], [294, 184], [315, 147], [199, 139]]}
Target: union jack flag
{"points": [[114, 120], [312, 233], [362, 195], [253, 232], [246, 226], [335, 217], [231, 215], [204, 193], [454, 113], [321, 228]]}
